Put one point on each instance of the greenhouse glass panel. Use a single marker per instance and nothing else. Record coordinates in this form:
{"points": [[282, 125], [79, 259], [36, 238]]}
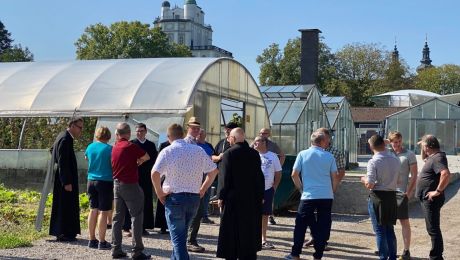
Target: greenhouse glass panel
{"points": [[429, 110], [294, 112], [287, 139], [280, 111], [270, 105], [442, 110], [454, 112]]}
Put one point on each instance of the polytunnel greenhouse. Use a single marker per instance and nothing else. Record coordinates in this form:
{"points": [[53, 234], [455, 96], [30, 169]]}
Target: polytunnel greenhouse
{"points": [[157, 92], [436, 117]]}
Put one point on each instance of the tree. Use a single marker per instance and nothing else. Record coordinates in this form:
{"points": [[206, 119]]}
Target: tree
{"points": [[16, 54], [126, 40], [284, 69], [5, 38], [360, 66], [269, 62], [442, 80], [9, 52]]}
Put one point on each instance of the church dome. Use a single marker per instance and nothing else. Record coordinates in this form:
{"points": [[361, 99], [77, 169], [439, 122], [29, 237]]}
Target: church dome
{"points": [[190, 2], [165, 4]]}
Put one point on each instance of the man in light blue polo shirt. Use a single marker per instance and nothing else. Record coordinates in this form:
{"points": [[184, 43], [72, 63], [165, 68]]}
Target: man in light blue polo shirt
{"points": [[319, 174]]}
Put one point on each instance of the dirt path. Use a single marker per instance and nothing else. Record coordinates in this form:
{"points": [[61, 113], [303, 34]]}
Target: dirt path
{"points": [[351, 238]]}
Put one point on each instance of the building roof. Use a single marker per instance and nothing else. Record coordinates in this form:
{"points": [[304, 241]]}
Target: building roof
{"points": [[373, 114], [289, 91], [407, 92], [95, 87]]}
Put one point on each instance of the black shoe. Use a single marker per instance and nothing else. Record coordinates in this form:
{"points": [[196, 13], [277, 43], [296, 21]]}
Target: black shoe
{"points": [[145, 232], [271, 220], [163, 232], [104, 245], [63, 238], [141, 256], [405, 255], [207, 221], [119, 255], [93, 243]]}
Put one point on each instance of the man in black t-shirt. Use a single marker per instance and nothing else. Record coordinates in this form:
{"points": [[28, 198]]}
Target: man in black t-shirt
{"points": [[432, 181]]}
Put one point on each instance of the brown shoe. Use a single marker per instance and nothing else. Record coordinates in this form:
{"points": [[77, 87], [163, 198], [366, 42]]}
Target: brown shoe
{"points": [[127, 233], [195, 248]]}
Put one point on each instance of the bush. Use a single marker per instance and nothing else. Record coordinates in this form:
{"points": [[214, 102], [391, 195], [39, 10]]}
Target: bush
{"points": [[18, 211]]}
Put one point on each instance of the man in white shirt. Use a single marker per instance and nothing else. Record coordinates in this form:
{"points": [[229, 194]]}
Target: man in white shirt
{"points": [[183, 166], [271, 168]]}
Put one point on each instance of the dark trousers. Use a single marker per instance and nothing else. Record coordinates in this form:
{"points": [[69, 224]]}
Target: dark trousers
{"points": [[320, 225], [432, 210], [195, 225]]}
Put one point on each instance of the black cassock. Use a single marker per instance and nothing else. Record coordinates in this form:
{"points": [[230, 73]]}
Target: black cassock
{"points": [[145, 181], [240, 233], [65, 212], [160, 218]]}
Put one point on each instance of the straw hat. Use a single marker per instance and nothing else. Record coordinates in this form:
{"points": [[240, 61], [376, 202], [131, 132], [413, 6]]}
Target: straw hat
{"points": [[193, 121]]}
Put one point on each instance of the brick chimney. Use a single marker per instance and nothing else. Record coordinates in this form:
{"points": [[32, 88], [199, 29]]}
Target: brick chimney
{"points": [[309, 56]]}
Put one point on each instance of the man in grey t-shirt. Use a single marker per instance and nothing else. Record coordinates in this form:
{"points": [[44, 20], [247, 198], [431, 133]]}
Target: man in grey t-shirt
{"points": [[405, 187]]}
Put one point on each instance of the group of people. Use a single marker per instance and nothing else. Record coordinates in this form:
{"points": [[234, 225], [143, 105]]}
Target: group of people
{"points": [[392, 179], [123, 178]]}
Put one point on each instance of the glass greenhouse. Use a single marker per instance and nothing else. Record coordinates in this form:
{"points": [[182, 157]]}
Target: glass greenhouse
{"points": [[345, 136], [157, 92], [436, 117], [295, 112]]}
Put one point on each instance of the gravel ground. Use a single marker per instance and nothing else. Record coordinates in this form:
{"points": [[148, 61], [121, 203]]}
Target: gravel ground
{"points": [[351, 238]]}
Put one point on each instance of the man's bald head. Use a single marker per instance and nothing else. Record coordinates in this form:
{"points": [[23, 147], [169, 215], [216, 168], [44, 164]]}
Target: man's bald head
{"points": [[237, 134]]}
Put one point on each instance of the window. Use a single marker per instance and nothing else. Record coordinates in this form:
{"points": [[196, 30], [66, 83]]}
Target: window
{"points": [[181, 38]]}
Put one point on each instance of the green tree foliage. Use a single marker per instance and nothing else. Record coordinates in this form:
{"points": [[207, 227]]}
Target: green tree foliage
{"points": [[278, 68], [5, 38], [9, 52], [16, 54], [442, 80], [360, 66], [269, 62], [40, 133], [126, 40]]}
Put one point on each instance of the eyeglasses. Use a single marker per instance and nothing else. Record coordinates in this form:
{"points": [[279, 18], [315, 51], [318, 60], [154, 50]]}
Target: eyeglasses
{"points": [[141, 131], [263, 133]]}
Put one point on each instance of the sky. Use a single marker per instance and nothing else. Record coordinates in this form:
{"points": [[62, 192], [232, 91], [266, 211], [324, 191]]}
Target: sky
{"points": [[49, 28]]}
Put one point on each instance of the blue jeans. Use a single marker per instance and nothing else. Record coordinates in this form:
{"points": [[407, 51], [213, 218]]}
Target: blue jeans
{"points": [[180, 208], [319, 223], [385, 236]]}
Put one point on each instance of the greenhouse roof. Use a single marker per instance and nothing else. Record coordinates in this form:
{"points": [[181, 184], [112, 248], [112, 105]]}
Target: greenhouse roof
{"points": [[285, 111], [160, 85], [407, 92], [290, 91]]}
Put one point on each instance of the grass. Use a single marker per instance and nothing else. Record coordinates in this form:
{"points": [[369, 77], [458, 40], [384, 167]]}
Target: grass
{"points": [[18, 211]]}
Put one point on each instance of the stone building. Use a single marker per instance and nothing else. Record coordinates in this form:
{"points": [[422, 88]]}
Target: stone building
{"points": [[185, 25]]}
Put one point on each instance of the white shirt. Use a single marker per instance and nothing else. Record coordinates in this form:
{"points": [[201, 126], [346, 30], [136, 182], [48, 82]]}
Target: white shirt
{"points": [[270, 165], [183, 165]]}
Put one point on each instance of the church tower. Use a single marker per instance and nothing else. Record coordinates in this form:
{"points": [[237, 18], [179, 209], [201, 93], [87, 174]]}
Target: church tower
{"points": [[426, 61]]}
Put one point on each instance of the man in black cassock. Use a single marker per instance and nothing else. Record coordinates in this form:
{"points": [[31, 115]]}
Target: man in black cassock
{"points": [[240, 199], [144, 178], [65, 212], [160, 218]]}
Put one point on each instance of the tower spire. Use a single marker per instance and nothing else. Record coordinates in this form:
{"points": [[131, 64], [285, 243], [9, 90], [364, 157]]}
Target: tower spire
{"points": [[426, 61], [395, 53]]}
